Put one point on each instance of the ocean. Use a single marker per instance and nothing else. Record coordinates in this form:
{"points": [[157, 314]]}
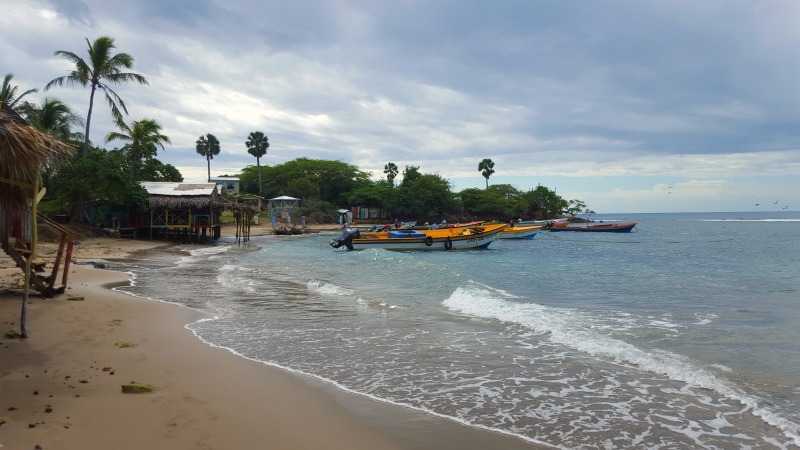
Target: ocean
{"points": [[682, 334]]}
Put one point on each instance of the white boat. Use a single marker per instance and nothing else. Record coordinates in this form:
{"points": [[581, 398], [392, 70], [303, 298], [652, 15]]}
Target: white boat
{"points": [[441, 239]]}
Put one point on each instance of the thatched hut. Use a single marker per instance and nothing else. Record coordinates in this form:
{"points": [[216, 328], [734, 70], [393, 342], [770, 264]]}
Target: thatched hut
{"points": [[24, 151], [189, 211]]}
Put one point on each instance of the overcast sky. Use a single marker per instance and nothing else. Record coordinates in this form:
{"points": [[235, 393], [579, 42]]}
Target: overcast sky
{"points": [[630, 106]]}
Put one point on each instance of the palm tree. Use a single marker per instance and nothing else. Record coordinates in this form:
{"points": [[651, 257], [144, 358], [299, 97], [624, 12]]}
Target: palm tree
{"points": [[144, 138], [8, 93], [208, 146], [101, 69], [53, 117], [257, 144], [390, 169], [486, 168]]}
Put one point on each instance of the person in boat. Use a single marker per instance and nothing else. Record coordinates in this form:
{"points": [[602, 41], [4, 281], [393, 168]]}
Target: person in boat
{"points": [[397, 223], [433, 226]]}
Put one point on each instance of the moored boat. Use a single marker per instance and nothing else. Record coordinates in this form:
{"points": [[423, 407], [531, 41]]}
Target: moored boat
{"points": [[518, 232], [441, 239], [623, 227]]}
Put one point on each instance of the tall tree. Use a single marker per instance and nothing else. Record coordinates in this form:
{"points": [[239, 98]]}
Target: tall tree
{"points": [[390, 169], [101, 68], [8, 93], [143, 139], [486, 168], [208, 146], [257, 144], [54, 118]]}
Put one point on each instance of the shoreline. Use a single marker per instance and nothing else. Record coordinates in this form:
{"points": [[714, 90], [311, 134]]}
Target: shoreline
{"points": [[61, 387]]}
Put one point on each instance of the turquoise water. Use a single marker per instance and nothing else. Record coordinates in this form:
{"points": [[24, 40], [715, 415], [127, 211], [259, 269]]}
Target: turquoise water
{"points": [[682, 334]]}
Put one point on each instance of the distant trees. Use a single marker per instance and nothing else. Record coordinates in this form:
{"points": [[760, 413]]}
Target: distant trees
{"points": [[486, 168], [208, 146], [101, 69], [257, 144]]}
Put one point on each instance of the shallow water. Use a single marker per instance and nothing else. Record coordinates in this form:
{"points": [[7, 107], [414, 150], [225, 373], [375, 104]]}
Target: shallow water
{"points": [[683, 334]]}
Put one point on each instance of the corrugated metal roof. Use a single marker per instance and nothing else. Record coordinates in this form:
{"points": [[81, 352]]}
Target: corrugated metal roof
{"points": [[177, 189]]}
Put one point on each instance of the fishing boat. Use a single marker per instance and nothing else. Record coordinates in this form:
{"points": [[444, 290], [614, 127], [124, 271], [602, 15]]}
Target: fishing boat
{"points": [[622, 227], [441, 239], [549, 222], [517, 232]]}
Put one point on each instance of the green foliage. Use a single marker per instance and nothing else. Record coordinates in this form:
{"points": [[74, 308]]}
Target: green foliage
{"points": [[390, 169], [99, 72], [143, 139], [208, 147], [138, 388], [257, 144], [155, 170], [8, 93], [577, 207], [410, 174], [52, 117], [544, 203], [486, 168], [424, 197], [303, 188], [108, 180]]}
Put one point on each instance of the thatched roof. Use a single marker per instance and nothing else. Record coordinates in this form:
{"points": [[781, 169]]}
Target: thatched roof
{"points": [[23, 152], [181, 195]]}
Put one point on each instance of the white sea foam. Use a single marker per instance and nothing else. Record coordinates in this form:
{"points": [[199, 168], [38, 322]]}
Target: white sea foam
{"points": [[328, 288], [576, 330]]}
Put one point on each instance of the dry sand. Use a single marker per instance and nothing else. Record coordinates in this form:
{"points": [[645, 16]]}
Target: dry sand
{"points": [[61, 388]]}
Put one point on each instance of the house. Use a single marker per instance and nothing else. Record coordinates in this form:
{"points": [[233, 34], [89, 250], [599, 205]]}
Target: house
{"points": [[226, 184]]}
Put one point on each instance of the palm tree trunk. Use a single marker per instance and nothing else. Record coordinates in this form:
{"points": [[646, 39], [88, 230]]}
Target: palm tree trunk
{"points": [[208, 160], [258, 163], [89, 119]]}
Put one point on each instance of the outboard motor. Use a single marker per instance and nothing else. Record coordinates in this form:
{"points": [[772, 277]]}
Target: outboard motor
{"points": [[346, 238]]}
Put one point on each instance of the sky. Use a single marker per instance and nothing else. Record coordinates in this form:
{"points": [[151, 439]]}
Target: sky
{"points": [[628, 105]]}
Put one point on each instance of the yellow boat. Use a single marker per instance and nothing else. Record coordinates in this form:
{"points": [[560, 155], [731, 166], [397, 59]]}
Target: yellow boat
{"points": [[444, 238], [518, 232]]}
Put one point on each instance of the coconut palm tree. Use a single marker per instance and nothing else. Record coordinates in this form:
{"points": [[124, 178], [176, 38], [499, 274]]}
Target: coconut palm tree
{"points": [[257, 144], [208, 146], [390, 169], [53, 117], [8, 93], [486, 168], [143, 137], [101, 69]]}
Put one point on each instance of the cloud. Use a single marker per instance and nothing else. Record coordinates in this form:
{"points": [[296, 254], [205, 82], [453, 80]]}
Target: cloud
{"points": [[553, 91]]}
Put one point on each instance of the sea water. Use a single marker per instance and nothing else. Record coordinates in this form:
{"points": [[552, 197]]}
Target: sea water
{"points": [[682, 334]]}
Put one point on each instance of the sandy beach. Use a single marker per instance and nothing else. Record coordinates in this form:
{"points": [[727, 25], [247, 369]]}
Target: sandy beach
{"points": [[62, 387]]}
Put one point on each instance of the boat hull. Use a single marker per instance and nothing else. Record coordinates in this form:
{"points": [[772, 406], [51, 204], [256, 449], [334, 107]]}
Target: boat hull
{"points": [[442, 239], [607, 228], [520, 232]]}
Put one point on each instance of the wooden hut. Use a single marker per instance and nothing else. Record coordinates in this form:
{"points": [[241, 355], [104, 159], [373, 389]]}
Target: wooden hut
{"points": [[181, 211], [24, 152]]}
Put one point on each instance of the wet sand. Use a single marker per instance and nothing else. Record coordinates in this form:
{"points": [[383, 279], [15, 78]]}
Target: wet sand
{"points": [[61, 388]]}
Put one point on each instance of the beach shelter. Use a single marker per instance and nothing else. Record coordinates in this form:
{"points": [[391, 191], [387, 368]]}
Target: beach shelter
{"points": [[282, 208], [24, 151]]}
